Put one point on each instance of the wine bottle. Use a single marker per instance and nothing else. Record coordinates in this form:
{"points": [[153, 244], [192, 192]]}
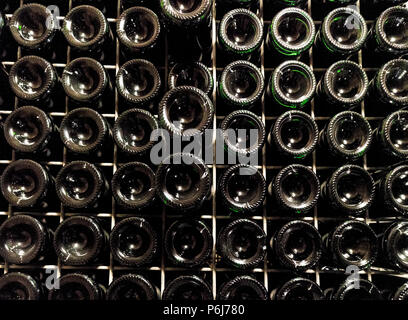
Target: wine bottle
{"points": [[33, 26], [295, 188], [133, 242], [388, 34], [75, 287], [343, 33], [238, 129], [188, 14], [298, 289], [291, 33], [132, 287], [242, 189], [348, 291], [86, 82], [23, 240], [133, 185], [350, 190], [194, 74], [240, 33], [133, 130], [392, 134], [138, 82], [25, 183], [344, 84], [80, 240], [28, 130], [347, 136], [183, 182], [81, 184], [401, 294], [294, 134], [242, 244], [297, 245], [243, 288], [389, 84], [351, 243], [394, 245], [86, 29], [187, 288], [241, 84], [138, 30], [33, 79], [392, 189], [19, 286], [186, 111], [188, 243], [292, 84], [84, 131]]}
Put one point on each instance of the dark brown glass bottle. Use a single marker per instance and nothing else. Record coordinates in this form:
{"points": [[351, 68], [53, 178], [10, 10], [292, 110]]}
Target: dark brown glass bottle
{"points": [[239, 129], [291, 33], [183, 182], [344, 84], [84, 131], [342, 33], [186, 111], [132, 287], [19, 286], [133, 185], [188, 243], [240, 33], [187, 288], [138, 82], [33, 79], [347, 136], [86, 82], [294, 134], [33, 26], [292, 84], [350, 190], [243, 288], [297, 245], [133, 130], [86, 29], [23, 240], [298, 289], [351, 243], [394, 245], [29, 130], [80, 240], [241, 84], [77, 287], [25, 183], [195, 74], [389, 86], [138, 29], [392, 189], [388, 34], [349, 292], [392, 135], [296, 188], [242, 189], [80, 184], [133, 242], [242, 243]]}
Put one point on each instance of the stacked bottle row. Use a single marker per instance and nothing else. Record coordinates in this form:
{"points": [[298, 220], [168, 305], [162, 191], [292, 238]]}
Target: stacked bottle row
{"points": [[78, 286], [240, 32], [241, 84], [349, 190], [242, 244]]}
